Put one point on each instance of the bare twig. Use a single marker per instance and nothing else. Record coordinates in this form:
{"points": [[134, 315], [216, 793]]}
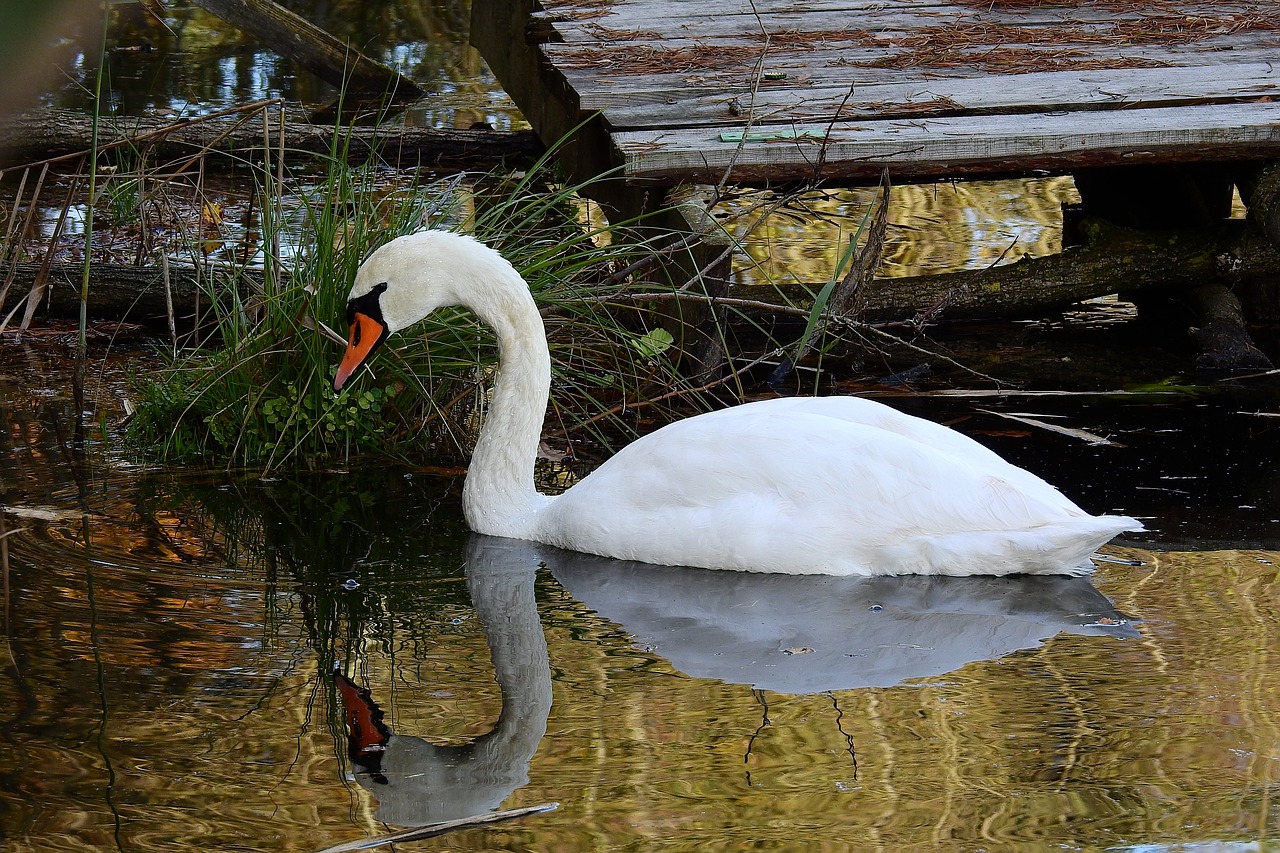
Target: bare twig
{"points": [[168, 300], [839, 299], [683, 392], [431, 830]]}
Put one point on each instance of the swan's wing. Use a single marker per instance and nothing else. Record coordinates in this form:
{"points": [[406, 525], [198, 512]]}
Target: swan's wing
{"points": [[788, 483], [859, 410]]}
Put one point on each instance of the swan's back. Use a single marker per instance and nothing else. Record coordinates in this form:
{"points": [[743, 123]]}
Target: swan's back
{"points": [[834, 485]]}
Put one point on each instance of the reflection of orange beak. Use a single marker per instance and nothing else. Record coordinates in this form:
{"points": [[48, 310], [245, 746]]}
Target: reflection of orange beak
{"points": [[366, 334]]}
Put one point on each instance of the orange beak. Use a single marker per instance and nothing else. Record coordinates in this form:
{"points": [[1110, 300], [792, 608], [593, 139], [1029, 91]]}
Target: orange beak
{"points": [[366, 334]]}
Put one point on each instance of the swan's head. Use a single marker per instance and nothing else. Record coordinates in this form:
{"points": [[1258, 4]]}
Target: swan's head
{"points": [[403, 281]]}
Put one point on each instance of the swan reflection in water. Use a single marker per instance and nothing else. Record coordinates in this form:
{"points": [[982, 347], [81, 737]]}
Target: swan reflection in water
{"points": [[417, 782], [812, 633], [794, 634]]}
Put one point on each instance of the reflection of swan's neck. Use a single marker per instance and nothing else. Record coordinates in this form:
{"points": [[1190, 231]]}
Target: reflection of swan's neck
{"points": [[499, 497], [506, 604], [427, 782]]}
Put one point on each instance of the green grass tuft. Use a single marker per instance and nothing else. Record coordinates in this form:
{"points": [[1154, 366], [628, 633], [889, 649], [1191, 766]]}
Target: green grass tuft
{"points": [[262, 397]]}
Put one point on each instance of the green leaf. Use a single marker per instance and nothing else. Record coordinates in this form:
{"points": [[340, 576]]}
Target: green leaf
{"points": [[654, 344]]}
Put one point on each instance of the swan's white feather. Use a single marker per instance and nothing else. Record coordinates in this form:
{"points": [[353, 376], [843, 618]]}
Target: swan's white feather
{"points": [[835, 485]]}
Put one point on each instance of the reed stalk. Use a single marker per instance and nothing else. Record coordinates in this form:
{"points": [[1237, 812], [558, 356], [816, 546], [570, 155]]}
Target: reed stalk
{"points": [[263, 396], [82, 339]]}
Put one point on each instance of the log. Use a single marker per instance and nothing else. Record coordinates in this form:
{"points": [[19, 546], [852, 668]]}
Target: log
{"points": [[1116, 259], [1184, 196], [329, 58], [135, 294], [1113, 260], [1222, 335], [236, 135]]}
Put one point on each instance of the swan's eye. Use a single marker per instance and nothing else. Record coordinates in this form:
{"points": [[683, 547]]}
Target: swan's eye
{"points": [[367, 304]]}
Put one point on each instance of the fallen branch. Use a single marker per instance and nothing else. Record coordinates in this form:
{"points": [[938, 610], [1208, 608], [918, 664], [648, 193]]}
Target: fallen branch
{"points": [[124, 292], [1083, 435], [1116, 260]]}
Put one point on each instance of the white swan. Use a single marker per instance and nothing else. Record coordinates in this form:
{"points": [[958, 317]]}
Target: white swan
{"points": [[829, 485]]}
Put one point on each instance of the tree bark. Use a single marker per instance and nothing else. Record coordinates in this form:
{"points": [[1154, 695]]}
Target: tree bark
{"points": [[48, 134], [332, 60], [1179, 196], [1261, 191]]}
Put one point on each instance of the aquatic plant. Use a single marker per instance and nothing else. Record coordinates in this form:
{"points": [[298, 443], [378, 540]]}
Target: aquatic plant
{"points": [[263, 396]]}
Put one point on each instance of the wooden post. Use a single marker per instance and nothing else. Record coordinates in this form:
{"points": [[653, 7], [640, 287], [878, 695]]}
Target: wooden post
{"points": [[1260, 190]]}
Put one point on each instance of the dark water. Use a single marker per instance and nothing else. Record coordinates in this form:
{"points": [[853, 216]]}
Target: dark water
{"points": [[174, 58], [170, 637]]}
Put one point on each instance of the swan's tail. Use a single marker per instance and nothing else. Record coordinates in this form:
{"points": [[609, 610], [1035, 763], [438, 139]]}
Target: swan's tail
{"points": [[1068, 546], [1061, 547]]}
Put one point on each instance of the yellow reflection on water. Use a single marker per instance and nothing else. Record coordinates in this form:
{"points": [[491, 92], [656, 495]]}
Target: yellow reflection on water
{"points": [[166, 684], [933, 228], [1086, 742], [162, 703]]}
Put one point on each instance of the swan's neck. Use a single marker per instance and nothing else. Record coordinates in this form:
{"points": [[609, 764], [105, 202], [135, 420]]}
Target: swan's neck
{"points": [[499, 497]]}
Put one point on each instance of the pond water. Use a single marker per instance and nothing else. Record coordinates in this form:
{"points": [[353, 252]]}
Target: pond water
{"points": [[171, 638], [176, 59]]}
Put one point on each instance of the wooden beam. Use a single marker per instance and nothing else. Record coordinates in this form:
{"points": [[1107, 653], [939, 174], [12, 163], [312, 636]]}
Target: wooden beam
{"points": [[962, 146], [628, 106]]}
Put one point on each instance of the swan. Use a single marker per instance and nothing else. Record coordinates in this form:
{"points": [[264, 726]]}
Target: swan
{"points": [[824, 485]]}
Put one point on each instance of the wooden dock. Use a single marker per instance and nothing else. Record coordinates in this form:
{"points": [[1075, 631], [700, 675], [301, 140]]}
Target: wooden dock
{"points": [[773, 91]]}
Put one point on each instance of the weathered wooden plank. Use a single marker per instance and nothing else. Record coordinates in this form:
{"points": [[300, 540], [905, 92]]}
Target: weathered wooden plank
{"points": [[869, 47], [658, 13], [1136, 25], [960, 146], [768, 8], [1021, 93], [683, 8], [655, 66], [599, 89], [927, 88], [671, 100]]}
